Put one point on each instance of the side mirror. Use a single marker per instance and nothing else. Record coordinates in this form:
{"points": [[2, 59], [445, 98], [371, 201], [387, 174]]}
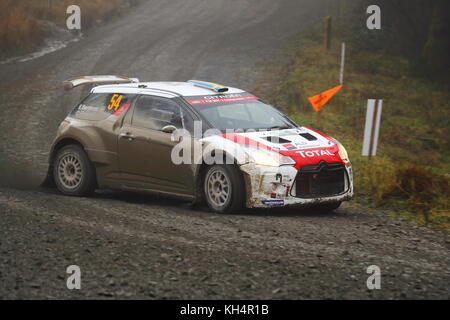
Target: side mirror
{"points": [[169, 128]]}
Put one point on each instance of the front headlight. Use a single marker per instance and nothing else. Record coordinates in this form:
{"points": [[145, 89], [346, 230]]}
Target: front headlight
{"points": [[269, 158], [342, 152]]}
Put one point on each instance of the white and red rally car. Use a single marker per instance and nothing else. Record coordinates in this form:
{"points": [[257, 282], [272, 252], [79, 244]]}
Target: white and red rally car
{"points": [[196, 140]]}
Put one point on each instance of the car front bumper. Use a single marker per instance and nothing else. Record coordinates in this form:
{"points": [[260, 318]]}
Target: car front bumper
{"points": [[276, 186]]}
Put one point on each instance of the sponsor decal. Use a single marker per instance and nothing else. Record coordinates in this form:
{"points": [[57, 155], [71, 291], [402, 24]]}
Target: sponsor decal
{"points": [[273, 202], [289, 146], [86, 108], [312, 156], [315, 153], [301, 144], [208, 100]]}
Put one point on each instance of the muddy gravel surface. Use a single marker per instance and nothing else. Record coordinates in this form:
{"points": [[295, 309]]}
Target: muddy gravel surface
{"points": [[139, 246]]}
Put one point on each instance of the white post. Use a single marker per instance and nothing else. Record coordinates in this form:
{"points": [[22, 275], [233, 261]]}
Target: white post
{"points": [[341, 74], [372, 128]]}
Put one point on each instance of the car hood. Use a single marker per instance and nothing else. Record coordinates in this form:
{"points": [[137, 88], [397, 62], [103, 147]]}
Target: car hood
{"points": [[303, 145]]}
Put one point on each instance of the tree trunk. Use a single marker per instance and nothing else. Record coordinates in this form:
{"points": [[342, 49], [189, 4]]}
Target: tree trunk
{"points": [[437, 47]]}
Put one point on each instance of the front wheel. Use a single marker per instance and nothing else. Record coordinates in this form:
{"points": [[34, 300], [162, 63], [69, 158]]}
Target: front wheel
{"points": [[73, 172], [224, 188]]}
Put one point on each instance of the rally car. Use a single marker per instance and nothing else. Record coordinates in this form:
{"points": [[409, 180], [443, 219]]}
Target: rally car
{"points": [[196, 140]]}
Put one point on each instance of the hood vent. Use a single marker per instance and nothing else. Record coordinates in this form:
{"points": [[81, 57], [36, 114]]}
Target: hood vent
{"points": [[308, 136], [276, 139]]}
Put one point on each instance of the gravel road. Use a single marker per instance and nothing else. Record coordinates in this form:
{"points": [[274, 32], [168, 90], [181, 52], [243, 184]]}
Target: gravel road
{"points": [[139, 246]]}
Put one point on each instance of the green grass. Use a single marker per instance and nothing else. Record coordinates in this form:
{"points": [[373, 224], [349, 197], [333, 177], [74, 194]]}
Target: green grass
{"points": [[414, 141]]}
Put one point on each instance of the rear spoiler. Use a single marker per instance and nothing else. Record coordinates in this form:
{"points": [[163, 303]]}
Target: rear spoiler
{"points": [[97, 80]]}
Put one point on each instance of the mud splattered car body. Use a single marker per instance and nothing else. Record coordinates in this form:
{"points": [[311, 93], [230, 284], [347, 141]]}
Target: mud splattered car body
{"points": [[318, 176], [121, 136]]}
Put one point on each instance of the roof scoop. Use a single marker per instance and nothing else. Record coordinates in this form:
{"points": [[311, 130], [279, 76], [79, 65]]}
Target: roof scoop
{"points": [[209, 85]]}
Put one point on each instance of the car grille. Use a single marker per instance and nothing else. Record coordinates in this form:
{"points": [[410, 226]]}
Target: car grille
{"points": [[321, 180]]}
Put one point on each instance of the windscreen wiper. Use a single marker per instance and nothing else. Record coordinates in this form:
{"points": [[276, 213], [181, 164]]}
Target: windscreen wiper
{"points": [[279, 127]]}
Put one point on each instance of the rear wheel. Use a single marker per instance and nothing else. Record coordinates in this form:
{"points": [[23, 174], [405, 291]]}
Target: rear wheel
{"points": [[74, 174], [224, 188]]}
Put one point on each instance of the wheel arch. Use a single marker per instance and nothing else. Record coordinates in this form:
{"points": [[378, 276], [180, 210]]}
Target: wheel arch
{"points": [[203, 167], [49, 181]]}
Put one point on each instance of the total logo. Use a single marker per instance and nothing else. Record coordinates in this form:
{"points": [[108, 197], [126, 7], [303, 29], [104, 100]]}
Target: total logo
{"points": [[315, 153]]}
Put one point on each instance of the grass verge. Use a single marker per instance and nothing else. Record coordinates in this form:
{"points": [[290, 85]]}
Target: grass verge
{"points": [[409, 176]]}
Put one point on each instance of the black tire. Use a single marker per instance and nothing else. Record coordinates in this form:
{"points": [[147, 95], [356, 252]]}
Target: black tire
{"points": [[236, 193], [327, 207], [82, 178]]}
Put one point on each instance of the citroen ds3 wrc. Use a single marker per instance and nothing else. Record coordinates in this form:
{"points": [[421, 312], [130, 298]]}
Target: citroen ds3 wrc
{"points": [[122, 137]]}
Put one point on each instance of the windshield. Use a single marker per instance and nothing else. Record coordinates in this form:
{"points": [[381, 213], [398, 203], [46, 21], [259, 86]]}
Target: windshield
{"points": [[240, 112]]}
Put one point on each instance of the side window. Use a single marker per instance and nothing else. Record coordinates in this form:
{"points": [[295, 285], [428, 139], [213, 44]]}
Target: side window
{"points": [[155, 113], [99, 106]]}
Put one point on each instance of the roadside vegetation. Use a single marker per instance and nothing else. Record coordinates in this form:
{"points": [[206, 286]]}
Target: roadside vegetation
{"points": [[409, 177], [20, 20]]}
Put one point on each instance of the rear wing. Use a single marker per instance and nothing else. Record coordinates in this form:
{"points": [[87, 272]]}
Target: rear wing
{"points": [[97, 80]]}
